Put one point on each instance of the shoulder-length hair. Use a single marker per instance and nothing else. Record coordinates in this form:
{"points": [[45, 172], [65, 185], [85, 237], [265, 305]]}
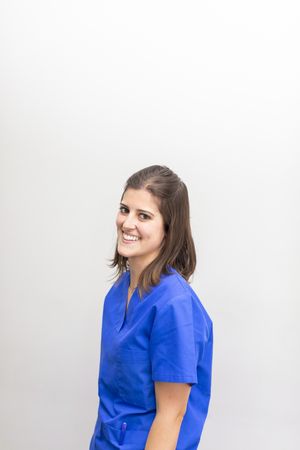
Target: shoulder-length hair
{"points": [[177, 249]]}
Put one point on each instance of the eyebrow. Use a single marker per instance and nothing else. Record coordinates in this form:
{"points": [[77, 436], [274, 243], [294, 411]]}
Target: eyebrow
{"points": [[141, 210]]}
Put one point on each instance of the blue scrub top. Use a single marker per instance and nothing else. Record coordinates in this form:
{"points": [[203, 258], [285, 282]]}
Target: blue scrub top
{"points": [[166, 335]]}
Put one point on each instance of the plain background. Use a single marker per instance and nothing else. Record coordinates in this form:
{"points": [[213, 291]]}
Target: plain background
{"points": [[92, 92]]}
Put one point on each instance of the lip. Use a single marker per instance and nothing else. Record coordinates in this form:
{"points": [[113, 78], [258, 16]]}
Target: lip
{"points": [[128, 242]]}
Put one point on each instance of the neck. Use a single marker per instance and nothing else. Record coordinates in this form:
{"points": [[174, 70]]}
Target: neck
{"points": [[133, 282], [136, 266], [134, 276]]}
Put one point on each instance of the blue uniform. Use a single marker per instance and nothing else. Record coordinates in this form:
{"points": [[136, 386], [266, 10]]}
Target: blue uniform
{"points": [[165, 336]]}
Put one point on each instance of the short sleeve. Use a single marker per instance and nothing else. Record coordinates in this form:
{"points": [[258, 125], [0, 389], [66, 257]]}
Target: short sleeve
{"points": [[172, 342]]}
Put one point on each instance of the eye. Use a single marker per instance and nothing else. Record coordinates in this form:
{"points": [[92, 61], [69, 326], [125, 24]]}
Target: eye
{"points": [[145, 216]]}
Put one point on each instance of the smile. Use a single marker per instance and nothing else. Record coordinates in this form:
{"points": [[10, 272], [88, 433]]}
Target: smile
{"points": [[129, 238]]}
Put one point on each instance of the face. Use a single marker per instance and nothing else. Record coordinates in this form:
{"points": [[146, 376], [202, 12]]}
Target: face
{"points": [[139, 216]]}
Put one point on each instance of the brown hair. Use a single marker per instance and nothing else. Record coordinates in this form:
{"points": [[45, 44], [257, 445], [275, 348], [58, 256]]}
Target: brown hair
{"points": [[178, 249]]}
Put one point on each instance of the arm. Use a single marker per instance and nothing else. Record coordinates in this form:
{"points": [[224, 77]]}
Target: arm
{"points": [[171, 403]]}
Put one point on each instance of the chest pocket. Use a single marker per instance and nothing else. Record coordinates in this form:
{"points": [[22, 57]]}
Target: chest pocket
{"points": [[134, 381]]}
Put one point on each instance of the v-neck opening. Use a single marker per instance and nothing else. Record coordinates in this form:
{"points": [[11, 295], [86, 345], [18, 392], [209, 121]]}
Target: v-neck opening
{"points": [[128, 301], [124, 308]]}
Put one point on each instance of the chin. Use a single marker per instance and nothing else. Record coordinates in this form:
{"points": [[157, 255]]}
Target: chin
{"points": [[123, 252]]}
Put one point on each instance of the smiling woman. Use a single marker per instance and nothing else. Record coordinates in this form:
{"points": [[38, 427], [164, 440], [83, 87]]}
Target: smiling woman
{"points": [[140, 233], [157, 338]]}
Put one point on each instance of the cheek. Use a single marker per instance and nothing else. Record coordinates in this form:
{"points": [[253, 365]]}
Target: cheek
{"points": [[160, 235], [118, 220], [154, 235]]}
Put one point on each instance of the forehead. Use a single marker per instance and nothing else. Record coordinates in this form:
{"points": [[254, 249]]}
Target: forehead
{"points": [[140, 199]]}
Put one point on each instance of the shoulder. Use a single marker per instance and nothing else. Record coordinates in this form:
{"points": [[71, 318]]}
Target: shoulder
{"points": [[169, 287], [176, 296]]}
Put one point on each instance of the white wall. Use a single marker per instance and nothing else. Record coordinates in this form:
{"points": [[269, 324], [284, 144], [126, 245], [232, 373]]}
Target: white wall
{"points": [[93, 91]]}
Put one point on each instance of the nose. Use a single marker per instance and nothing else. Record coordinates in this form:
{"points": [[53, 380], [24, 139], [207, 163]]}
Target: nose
{"points": [[129, 223]]}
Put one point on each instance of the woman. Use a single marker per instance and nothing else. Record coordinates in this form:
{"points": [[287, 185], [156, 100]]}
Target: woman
{"points": [[157, 339]]}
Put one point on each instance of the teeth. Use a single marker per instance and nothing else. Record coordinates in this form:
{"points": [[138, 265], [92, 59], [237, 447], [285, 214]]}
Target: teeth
{"points": [[130, 238]]}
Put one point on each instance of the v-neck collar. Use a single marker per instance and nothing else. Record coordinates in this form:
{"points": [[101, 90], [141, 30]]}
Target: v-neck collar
{"points": [[121, 314]]}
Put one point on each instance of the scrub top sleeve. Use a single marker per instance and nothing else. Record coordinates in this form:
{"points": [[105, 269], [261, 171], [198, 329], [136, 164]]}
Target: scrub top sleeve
{"points": [[172, 342]]}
